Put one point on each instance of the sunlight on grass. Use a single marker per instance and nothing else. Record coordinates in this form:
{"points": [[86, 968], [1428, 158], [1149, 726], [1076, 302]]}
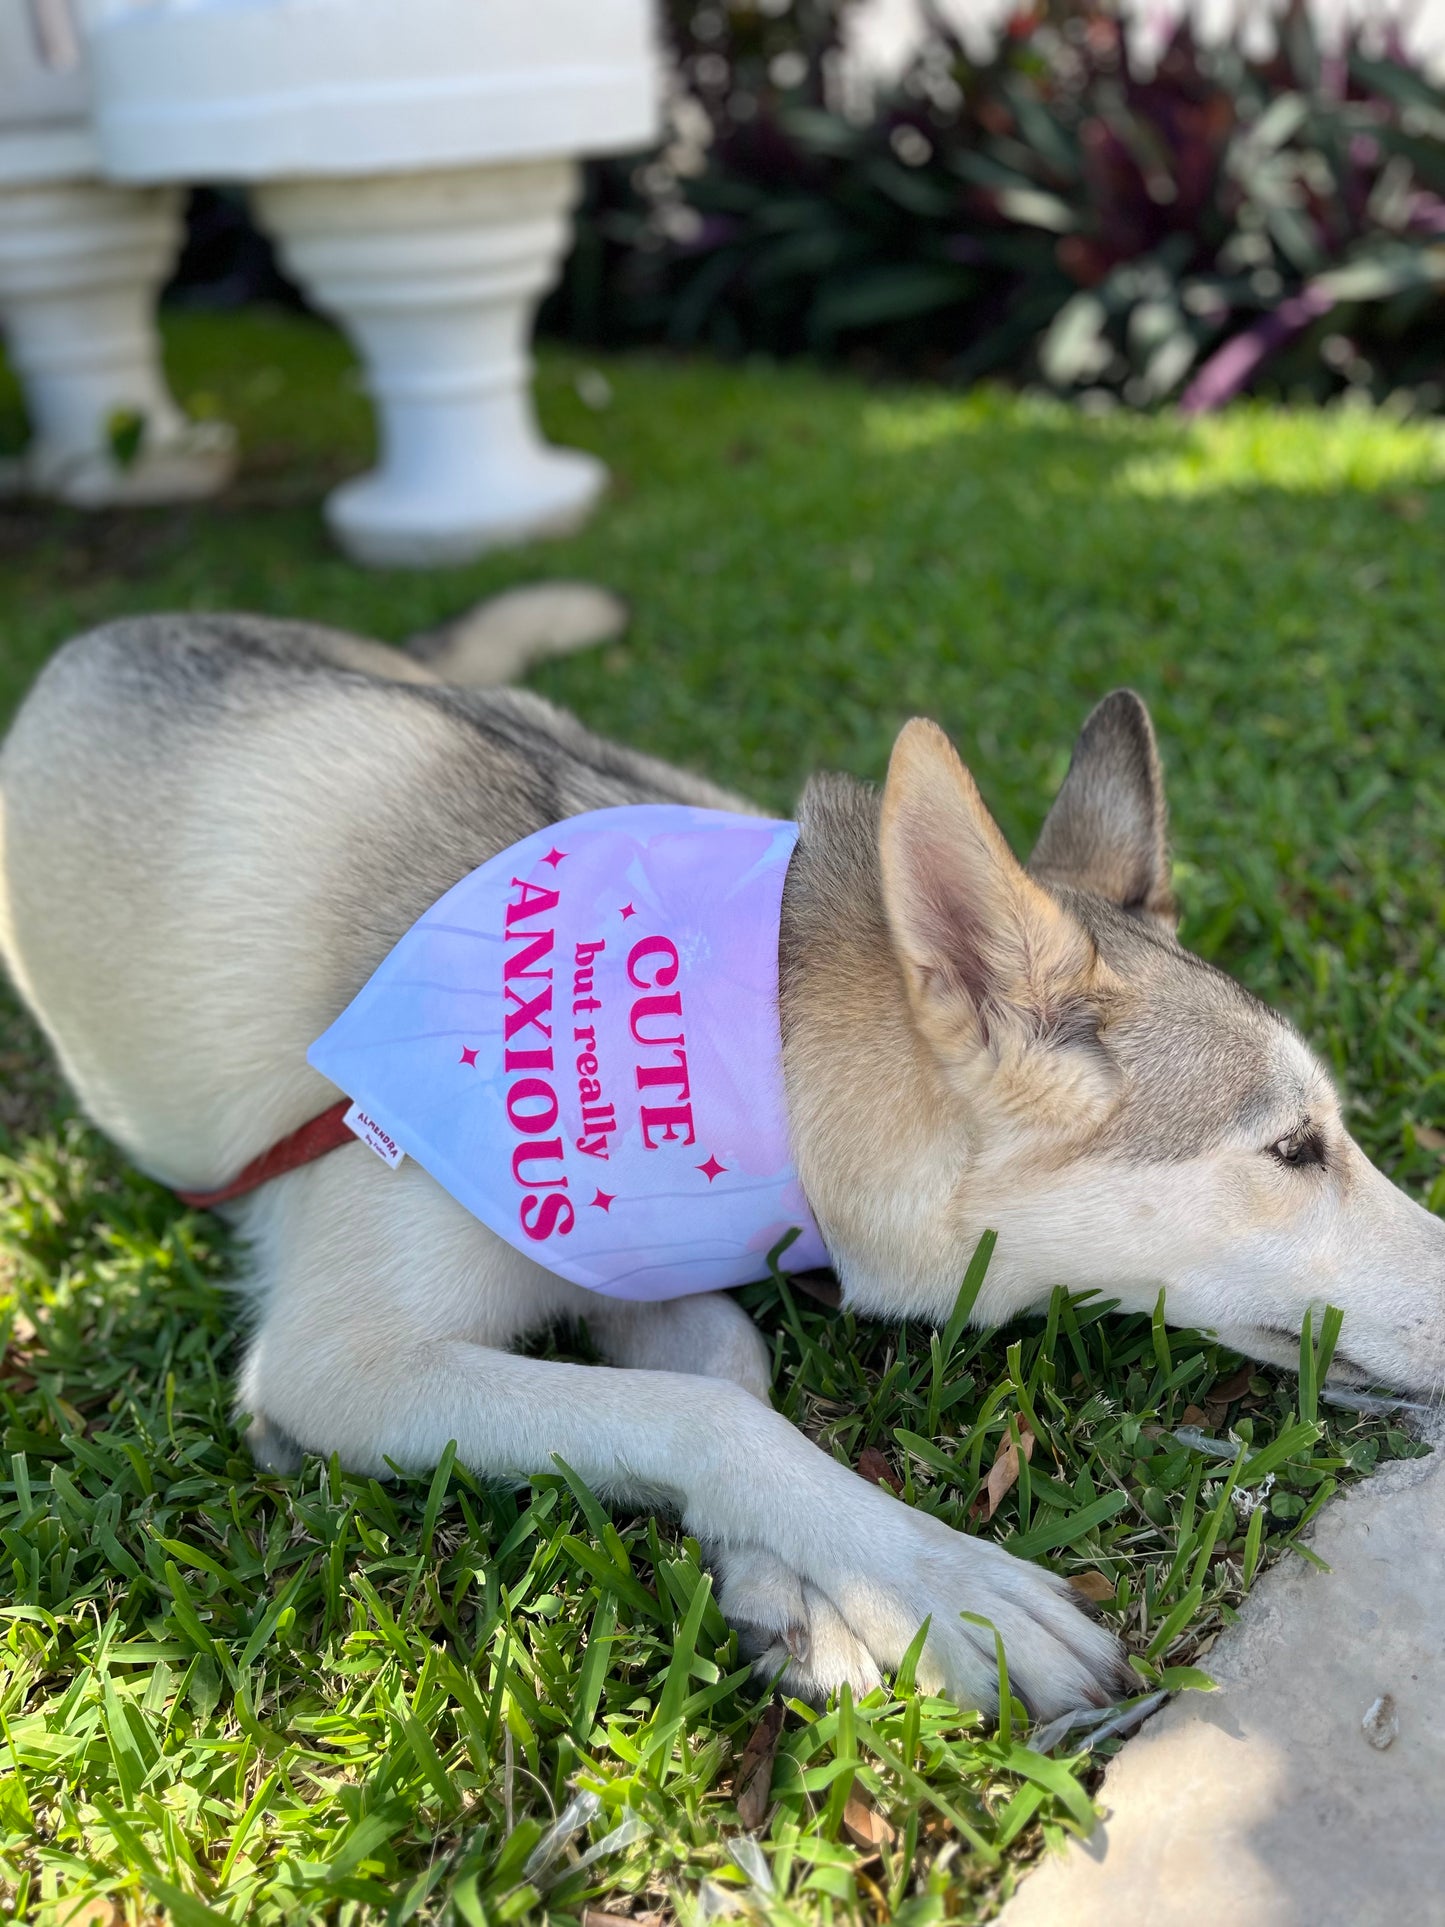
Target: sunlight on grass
{"points": [[921, 418], [1252, 446], [1303, 453]]}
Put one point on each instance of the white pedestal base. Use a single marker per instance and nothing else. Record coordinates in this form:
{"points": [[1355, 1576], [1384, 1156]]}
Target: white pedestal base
{"points": [[80, 267], [435, 277]]}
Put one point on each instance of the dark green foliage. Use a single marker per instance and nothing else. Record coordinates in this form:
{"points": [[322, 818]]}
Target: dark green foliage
{"points": [[1051, 212]]}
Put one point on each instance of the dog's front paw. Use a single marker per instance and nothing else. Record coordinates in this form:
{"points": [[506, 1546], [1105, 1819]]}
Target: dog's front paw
{"points": [[791, 1629], [859, 1610]]}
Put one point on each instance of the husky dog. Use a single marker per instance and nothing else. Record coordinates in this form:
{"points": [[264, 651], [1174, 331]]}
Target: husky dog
{"points": [[214, 828]]}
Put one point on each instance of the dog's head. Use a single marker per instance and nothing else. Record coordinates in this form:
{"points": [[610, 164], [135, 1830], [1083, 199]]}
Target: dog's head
{"points": [[972, 1043]]}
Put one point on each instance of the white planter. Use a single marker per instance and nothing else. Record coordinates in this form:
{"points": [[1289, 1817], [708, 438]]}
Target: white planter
{"points": [[256, 89], [435, 277], [44, 99], [80, 266], [414, 160]]}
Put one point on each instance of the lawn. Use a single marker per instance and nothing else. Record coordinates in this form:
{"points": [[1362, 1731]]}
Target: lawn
{"points": [[232, 1697]]}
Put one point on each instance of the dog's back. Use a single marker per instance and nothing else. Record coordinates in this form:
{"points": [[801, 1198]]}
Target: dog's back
{"points": [[214, 828]]}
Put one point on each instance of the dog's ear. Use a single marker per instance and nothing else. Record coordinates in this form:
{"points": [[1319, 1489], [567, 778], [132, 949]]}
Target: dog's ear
{"points": [[1108, 830], [981, 946]]}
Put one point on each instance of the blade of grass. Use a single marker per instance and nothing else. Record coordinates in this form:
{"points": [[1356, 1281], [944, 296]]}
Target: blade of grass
{"points": [[968, 1292], [1052, 1533]]}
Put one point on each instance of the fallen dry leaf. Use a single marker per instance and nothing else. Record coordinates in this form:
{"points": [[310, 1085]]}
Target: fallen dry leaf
{"points": [[99, 1912], [1195, 1415], [1233, 1387], [15, 1373], [595, 1917], [1409, 507], [1004, 1472], [873, 1467], [1093, 1585], [864, 1824], [753, 1782]]}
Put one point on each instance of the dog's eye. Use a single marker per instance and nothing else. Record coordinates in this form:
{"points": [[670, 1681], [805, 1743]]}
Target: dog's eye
{"points": [[1299, 1148]]}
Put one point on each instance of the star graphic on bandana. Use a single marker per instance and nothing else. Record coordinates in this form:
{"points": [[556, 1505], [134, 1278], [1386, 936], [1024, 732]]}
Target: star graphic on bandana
{"points": [[626, 912], [470, 1056], [604, 1200], [554, 856], [712, 1169]]}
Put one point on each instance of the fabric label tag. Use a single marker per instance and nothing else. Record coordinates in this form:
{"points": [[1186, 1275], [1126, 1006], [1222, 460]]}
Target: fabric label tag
{"points": [[373, 1137]]}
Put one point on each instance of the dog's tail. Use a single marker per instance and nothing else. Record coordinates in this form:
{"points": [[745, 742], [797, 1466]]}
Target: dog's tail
{"points": [[500, 639]]}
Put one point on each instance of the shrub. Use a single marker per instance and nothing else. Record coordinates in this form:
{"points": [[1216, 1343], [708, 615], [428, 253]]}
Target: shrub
{"points": [[1050, 212]]}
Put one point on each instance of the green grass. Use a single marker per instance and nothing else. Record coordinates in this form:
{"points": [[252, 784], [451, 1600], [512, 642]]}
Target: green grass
{"points": [[234, 1697]]}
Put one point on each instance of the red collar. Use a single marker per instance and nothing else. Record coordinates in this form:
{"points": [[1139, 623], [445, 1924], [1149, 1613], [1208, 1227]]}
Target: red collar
{"points": [[320, 1134]]}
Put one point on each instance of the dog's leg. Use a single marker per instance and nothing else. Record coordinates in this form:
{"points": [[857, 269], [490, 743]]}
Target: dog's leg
{"points": [[709, 1336], [830, 1574], [786, 1623], [829, 1577], [384, 1313]]}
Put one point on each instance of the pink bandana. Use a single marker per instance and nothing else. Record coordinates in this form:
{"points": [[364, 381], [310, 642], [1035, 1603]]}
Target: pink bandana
{"points": [[580, 1042]]}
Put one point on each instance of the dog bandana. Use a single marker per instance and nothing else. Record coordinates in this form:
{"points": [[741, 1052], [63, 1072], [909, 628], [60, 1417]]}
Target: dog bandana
{"points": [[580, 1043]]}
